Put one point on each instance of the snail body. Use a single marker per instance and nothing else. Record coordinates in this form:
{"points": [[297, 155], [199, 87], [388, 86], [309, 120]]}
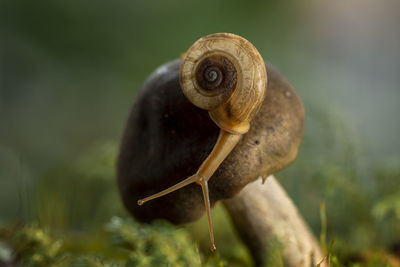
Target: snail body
{"points": [[224, 74]]}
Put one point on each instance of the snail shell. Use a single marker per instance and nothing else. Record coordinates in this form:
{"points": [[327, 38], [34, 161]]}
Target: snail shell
{"points": [[225, 74]]}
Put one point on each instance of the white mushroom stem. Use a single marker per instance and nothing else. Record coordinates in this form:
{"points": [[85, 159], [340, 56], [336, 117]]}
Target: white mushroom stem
{"points": [[263, 213]]}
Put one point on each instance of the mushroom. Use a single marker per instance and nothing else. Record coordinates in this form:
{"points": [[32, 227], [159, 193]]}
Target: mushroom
{"points": [[167, 138]]}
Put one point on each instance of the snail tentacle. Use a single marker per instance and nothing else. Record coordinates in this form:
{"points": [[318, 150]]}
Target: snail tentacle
{"points": [[171, 189], [224, 145], [206, 197]]}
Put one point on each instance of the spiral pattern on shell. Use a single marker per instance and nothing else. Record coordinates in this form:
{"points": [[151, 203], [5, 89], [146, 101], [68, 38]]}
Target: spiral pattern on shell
{"points": [[225, 74]]}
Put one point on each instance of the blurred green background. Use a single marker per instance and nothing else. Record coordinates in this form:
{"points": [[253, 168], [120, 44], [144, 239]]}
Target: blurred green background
{"points": [[69, 71]]}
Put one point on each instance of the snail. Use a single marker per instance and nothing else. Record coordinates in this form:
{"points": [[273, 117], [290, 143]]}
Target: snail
{"points": [[191, 118], [224, 74]]}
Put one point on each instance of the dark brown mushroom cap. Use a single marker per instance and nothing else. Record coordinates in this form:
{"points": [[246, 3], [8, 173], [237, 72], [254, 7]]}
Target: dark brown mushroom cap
{"points": [[166, 138]]}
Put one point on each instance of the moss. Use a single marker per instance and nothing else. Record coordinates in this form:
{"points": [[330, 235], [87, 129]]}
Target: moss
{"points": [[127, 243]]}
